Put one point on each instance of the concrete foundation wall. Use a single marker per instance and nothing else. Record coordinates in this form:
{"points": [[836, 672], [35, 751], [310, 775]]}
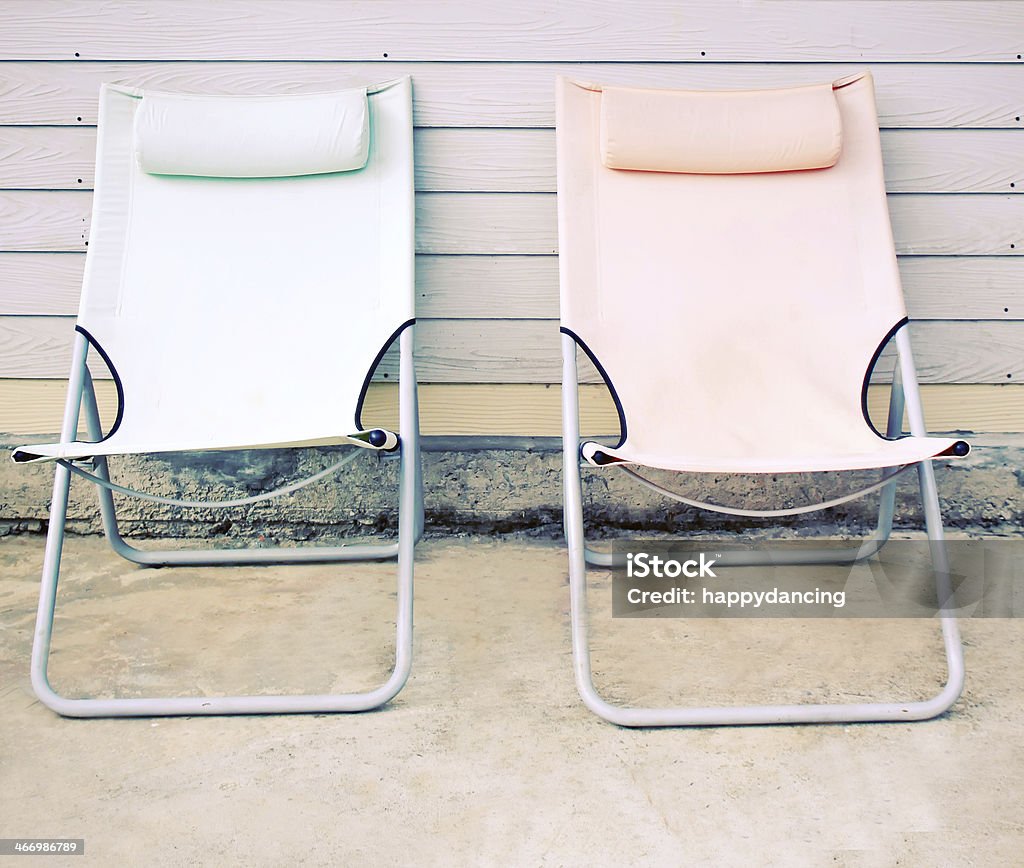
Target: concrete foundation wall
{"points": [[494, 491]]}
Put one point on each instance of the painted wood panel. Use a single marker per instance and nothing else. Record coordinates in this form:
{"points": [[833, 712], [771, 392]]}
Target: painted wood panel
{"points": [[525, 223], [47, 158], [916, 161], [523, 161], [36, 406], [526, 287], [37, 220], [664, 30], [518, 94], [40, 283], [949, 80], [528, 351]]}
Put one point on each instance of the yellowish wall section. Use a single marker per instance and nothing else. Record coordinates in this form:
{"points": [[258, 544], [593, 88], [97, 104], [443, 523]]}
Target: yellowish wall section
{"points": [[529, 410]]}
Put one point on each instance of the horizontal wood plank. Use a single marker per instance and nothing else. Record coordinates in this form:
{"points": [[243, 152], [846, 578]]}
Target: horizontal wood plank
{"points": [[510, 223], [916, 161], [484, 287], [47, 158], [516, 94], [526, 287], [974, 287], [41, 220], [40, 283], [523, 161], [528, 351], [660, 30], [461, 223], [525, 223], [36, 406]]}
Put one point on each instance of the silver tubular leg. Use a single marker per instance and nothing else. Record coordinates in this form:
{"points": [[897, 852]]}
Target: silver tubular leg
{"points": [[936, 535], [55, 532], [409, 502], [867, 549], [414, 402], [410, 509], [210, 556], [735, 715]]}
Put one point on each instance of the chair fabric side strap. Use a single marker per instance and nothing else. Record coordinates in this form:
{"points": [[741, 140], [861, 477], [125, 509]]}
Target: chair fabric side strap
{"points": [[764, 513], [242, 501]]}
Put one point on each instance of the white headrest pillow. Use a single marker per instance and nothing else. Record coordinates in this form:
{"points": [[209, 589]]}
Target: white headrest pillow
{"points": [[720, 132], [252, 137]]}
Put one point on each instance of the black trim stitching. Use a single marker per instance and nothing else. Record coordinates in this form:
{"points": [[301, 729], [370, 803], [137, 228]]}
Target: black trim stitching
{"points": [[373, 367], [867, 378], [604, 376], [95, 344]]}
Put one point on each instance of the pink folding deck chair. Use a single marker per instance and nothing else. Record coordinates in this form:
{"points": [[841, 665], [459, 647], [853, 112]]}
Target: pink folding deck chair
{"points": [[727, 263]]}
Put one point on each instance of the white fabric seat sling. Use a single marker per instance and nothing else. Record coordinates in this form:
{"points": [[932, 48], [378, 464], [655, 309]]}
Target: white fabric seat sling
{"points": [[726, 261], [250, 261]]}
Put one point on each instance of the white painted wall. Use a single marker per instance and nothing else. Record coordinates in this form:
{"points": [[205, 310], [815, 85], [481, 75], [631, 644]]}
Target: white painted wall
{"points": [[950, 83]]}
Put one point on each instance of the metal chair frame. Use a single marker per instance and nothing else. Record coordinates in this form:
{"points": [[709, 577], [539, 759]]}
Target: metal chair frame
{"points": [[81, 394], [905, 393]]}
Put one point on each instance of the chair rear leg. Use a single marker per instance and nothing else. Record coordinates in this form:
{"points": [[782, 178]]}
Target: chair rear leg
{"points": [[849, 555], [211, 556], [910, 392], [952, 643], [867, 549]]}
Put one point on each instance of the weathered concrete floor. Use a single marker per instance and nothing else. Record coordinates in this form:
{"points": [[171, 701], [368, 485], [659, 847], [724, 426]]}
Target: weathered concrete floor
{"points": [[487, 756]]}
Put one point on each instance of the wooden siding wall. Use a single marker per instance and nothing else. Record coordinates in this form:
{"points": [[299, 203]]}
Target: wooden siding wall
{"points": [[950, 84]]}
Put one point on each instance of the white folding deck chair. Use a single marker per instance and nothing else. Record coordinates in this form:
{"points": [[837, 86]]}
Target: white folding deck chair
{"points": [[727, 263], [251, 260]]}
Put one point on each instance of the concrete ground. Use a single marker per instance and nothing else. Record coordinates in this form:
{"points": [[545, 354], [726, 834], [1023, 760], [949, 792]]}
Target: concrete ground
{"points": [[487, 757]]}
